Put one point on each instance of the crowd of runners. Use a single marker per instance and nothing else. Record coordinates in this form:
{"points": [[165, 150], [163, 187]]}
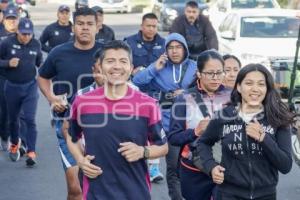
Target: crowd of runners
{"points": [[118, 106]]}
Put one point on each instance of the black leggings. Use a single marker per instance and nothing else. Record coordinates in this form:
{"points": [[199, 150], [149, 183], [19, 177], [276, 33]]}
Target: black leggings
{"points": [[226, 196]]}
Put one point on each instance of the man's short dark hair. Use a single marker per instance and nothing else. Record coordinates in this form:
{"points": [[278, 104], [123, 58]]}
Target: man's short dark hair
{"points": [[192, 4], [84, 11], [115, 44], [96, 55], [149, 16]]}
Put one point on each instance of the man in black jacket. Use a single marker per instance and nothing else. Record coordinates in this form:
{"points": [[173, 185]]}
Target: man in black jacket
{"points": [[196, 29]]}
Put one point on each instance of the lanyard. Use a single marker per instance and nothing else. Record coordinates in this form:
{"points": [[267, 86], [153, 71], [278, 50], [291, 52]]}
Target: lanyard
{"points": [[174, 74]]}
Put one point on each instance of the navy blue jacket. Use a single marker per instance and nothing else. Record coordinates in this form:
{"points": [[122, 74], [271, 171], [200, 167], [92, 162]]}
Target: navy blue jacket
{"points": [[105, 34], [55, 34], [4, 33], [251, 167], [30, 56], [145, 53]]}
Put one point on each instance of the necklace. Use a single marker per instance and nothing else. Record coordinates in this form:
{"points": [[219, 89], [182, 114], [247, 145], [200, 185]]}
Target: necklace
{"points": [[174, 74]]}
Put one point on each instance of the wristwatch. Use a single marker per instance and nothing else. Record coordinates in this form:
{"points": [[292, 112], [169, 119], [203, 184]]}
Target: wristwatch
{"points": [[146, 153]]}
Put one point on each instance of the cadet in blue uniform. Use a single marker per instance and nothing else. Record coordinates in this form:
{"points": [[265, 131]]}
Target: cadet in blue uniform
{"points": [[147, 45], [10, 23], [20, 55], [4, 4], [58, 32], [7, 28], [105, 33]]}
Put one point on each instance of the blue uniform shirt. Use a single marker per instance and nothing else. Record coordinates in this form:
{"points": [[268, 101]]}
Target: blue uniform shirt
{"points": [[4, 33], [70, 67], [30, 56], [144, 53], [54, 35]]}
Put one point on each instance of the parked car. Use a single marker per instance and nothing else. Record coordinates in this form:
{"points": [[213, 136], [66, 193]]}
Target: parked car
{"points": [[266, 36], [168, 10], [219, 8], [120, 6]]}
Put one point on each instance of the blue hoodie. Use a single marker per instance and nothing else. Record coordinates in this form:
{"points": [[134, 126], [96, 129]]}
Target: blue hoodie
{"points": [[163, 80]]}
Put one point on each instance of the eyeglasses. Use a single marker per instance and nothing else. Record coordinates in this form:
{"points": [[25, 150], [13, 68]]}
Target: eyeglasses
{"points": [[211, 75]]}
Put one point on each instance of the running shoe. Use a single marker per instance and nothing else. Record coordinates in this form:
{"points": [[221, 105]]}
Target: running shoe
{"points": [[31, 159]]}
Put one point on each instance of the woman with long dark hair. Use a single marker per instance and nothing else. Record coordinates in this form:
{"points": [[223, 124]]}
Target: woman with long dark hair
{"points": [[255, 135], [190, 116]]}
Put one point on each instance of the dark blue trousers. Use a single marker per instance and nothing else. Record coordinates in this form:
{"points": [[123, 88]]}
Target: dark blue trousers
{"points": [[232, 197], [4, 134], [195, 185], [22, 97]]}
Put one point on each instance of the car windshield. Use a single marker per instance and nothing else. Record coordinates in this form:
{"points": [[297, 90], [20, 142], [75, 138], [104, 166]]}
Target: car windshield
{"points": [[181, 1], [239, 4], [276, 27]]}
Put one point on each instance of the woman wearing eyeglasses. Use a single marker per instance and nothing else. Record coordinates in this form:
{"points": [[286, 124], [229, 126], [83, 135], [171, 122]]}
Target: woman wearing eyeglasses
{"points": [[188, 121], [255, 136]]}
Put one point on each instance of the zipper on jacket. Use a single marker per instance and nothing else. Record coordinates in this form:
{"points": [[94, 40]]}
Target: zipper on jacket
{"points": [[249, 165]]}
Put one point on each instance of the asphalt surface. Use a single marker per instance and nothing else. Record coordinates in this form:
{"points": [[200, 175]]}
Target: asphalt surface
{"points": [[46, 181]]}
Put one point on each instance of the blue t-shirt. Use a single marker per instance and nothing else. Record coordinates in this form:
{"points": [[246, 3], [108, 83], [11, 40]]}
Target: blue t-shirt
{"points": [[30, 56], [105, 124], [69, 67], [54, 35]]}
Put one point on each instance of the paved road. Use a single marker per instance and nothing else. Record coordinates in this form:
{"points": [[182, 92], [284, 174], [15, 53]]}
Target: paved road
{"points": [[46, 181]]}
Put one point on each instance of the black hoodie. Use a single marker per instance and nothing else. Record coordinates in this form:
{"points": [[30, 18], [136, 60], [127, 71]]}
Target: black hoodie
{"points": [[251, 167]]}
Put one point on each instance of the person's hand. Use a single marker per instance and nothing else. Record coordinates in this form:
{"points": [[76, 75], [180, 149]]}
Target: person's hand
{"points": [[255, 131], [217, 174], [160, 63], [14, 62], [58, 104], [88, 169], [100, 79], [177, 92], [202, 125], [131, 151]]}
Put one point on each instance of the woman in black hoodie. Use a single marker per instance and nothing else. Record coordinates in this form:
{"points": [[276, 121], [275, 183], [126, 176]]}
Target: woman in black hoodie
{"points": [[255, 136]]}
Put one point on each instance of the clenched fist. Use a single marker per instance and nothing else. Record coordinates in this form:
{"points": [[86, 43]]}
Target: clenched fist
{"points": [[14, 62]]}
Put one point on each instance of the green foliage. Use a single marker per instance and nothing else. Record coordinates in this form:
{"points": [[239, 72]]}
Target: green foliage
{"points": [[283, 3]]}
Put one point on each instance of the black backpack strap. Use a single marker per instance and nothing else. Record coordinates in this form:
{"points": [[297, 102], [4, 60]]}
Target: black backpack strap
{"points": [[199, 100], [203, 109], [184, 69]]}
